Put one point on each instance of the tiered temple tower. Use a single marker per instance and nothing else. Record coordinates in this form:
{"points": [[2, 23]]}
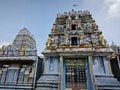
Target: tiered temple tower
{"points": [[18, 63], [76, 55]]}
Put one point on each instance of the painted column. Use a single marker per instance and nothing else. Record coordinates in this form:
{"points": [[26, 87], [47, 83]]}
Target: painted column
{"points": [[91, 77], [61, 70], [46, 65], [109, 67], [36, 65]]}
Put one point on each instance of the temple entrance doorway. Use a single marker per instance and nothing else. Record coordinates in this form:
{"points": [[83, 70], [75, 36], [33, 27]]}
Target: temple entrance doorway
{"points": [[75, 74]]}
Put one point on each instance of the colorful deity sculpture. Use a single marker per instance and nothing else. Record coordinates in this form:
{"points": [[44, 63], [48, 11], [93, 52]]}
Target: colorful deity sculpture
{"points": [[66, 38], [49, 41], [82, 39], [101, 39], [54, 28]]}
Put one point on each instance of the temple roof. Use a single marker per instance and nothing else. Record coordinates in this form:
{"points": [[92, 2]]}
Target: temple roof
{"points": [[23, 45], [24, 39], [24, 31], [74, 30]]}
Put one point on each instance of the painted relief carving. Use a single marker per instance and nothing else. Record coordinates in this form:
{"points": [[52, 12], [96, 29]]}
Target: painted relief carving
{"points": [[76, 27], [54, 28], [102, 41], [66, 38], [49, 42]]}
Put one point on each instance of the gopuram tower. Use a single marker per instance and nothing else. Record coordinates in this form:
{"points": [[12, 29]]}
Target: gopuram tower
{"points": [[76, 55]]}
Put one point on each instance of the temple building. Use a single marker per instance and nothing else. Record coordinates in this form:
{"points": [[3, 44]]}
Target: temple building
{"points": [[19, 63], [76, 56]]}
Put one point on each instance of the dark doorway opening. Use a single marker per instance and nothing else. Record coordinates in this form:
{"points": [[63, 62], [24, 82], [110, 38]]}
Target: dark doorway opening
{"points": [[74, 41], [73, 27]]}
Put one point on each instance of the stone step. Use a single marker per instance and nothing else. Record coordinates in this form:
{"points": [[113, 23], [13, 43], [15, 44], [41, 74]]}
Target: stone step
{"points": [[43, 85], [48, 81], [44, 88], [108, 88], [108, 85], [15, 87], [107, 82], [47, 85], [104, 75]]}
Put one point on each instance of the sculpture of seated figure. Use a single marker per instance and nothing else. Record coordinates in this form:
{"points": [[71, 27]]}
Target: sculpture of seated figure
{"points": [[61, 41], [22, 51], [87, 40], [94, 38], [66, 38], [82, 39], [101, 39], [89, 26], [94, 25], [49, 41], [54, 28]]}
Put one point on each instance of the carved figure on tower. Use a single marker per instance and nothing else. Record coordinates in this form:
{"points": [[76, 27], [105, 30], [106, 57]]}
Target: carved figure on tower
{"points": [[49, 42], [54, 28], [82, 37], [66, 38], [101, 39]]}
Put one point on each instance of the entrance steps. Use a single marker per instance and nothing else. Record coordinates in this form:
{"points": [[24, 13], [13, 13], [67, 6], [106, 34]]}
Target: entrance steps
{"points": [[48, 82], [107, 82], [12, 86]]}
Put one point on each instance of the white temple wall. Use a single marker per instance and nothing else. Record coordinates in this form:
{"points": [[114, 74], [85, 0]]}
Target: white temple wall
{"points": [[100, 65], [52, 65]]}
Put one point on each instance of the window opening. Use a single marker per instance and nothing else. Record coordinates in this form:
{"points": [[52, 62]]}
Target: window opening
{"points": [[74, 41], [73, 27]]}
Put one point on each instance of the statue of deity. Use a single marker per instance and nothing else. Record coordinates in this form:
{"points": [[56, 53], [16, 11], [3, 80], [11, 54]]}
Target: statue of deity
{"points": [[68, 24], [49, 41], [82, 39], [66, 38], [89, 26], [54, 28], [87, 40], [94, 25], [101, 39], [61, 41], [79, 24], [94, 38]]}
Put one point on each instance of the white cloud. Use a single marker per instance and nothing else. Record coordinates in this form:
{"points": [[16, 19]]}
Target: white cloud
{"points": [[113, 8], [3, 43]]}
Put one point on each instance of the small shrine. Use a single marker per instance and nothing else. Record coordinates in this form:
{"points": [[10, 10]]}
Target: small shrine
{"points": [[18, 63], [76, 56]]}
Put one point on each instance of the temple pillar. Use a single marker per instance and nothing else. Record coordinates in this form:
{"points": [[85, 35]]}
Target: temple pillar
{"points": [[91, 77], [109, 66], [60, 85]]}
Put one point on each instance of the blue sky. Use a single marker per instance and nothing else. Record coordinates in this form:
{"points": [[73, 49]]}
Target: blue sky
{"points": [[38, 17]]}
